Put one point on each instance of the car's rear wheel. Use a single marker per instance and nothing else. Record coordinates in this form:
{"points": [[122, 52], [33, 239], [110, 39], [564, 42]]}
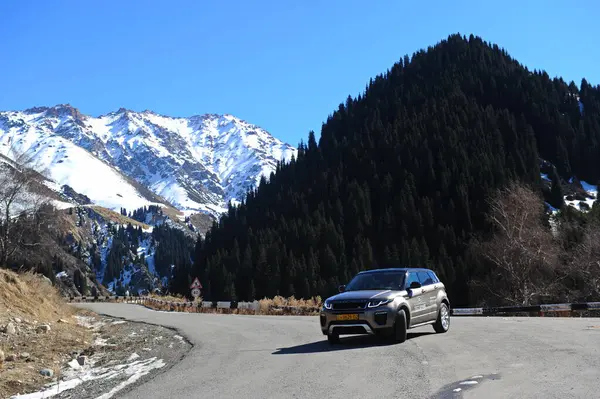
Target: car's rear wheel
{"points": [[442, 324], [333, 338], [399, 332]]}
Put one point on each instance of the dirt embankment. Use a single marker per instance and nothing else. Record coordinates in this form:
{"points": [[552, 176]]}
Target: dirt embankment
{"points": [[54, 349], [37, 332]]}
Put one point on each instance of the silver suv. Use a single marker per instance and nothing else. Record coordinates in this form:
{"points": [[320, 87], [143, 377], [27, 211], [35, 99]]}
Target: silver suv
{"points": [[387, 302]]}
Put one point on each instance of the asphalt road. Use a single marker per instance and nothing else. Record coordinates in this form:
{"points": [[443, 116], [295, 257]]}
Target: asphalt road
{"points": [[287, 357]]}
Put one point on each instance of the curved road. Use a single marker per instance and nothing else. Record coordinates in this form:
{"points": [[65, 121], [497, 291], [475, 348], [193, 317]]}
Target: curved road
{"points": [[248, 357]]}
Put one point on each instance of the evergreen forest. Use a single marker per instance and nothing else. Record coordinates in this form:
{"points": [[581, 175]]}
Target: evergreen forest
{"points": [[400, 176]]}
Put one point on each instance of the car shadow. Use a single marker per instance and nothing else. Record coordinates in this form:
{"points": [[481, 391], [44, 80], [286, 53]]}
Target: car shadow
{"points": [[346, 343]]}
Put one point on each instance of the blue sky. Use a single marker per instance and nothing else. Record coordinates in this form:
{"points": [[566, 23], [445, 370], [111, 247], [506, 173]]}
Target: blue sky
{"points": [[283, 64]]}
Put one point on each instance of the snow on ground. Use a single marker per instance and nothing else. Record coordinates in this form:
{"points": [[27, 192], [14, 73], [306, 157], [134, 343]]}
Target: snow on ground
{"points": [[60, 205], [146, 249], [134, 371], [545, 176], [89, 322], [590, 189], [61, 275]]}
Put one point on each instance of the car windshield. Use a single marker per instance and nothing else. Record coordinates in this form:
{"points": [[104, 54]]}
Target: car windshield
{"points": [[392, 280]]}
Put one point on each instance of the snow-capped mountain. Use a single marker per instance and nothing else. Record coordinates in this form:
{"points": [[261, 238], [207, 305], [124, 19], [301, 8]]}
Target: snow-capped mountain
{"points": [[132, 159]]}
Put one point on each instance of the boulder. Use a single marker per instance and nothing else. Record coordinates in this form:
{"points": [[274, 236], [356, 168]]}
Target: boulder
{"points": [[10, 329], [47, 372], [44, 328]]}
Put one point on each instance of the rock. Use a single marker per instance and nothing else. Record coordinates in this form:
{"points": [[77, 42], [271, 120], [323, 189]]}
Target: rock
{"points": [[47, 280], [47, 372], [63, 321], [17, 320], [25, 355], [74, 364], [10, 329], [44, 328], [81, 360], [11, 357]]}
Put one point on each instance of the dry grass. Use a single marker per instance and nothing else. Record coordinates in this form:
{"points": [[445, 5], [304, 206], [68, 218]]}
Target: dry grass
{"points": [[116, 217], [267, 306], [28, 295], [169, 298], [279, 304], [35, 302]]}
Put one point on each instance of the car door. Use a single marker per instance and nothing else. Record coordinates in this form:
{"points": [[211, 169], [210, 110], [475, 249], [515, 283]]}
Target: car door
{"points": [[418, 307], [429, 294]]}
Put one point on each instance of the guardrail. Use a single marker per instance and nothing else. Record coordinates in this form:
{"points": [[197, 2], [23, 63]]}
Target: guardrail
{"points": [[150, 300], [559, 309], [562, 309]]}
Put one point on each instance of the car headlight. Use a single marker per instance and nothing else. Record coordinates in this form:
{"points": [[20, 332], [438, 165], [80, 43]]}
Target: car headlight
{"points": [[327, 305], [378, 302]]}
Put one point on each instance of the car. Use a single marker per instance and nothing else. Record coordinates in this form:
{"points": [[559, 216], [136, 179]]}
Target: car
{"points": [[386, 303]]}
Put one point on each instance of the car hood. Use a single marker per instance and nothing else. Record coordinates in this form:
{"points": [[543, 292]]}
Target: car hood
{"points": [[364, 295]]}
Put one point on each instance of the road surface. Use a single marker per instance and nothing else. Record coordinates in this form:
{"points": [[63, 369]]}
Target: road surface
{"points": [[262, 357]]}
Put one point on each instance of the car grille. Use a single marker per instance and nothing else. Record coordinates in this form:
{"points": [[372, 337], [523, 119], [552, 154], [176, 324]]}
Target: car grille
{"points": [[349, 305]]}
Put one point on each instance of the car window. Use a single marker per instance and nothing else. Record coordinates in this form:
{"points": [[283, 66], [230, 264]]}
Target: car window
{"points": [[425, 278], [376, 281], [412, 276], [433, 277]]}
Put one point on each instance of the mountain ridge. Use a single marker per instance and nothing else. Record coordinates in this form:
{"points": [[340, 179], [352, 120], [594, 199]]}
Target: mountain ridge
{"points": [[198, 163]]}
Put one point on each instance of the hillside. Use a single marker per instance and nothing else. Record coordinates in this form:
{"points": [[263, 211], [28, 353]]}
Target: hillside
{"points": [[197, 164], [402, 174], [28, 304], [87, 249]]}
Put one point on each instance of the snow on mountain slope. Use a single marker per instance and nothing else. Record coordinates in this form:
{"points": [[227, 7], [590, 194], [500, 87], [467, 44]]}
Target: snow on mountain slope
{"points": [[198, 163], [69, 164]]}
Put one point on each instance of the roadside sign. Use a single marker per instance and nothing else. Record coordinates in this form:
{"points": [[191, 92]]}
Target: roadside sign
{"points": [[196, 292], [196, 284]]}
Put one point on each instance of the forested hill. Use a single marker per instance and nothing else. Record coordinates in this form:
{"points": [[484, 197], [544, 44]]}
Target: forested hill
{"points": [[400, 175]]}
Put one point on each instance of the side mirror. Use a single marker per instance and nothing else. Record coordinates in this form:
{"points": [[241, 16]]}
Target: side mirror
{"points": [[342, 288], [415, 285]]}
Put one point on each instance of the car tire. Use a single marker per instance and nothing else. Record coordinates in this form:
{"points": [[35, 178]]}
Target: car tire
{"points": [[442, 324], [333, 339], [399, 333]]}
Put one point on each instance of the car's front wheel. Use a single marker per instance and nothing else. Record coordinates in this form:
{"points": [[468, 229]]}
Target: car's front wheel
{"points": [[442, 324], [399, 332], [333, 338]]}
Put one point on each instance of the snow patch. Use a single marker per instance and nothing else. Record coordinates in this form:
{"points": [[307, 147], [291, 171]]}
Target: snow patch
{"points": [[589, 188], [89, 322], [133, 371], [545, 176], [102, 342], [62, 275]]}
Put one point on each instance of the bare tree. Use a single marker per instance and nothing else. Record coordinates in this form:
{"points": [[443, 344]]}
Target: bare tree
{"points": [[584, 265], [521, 262], [23, 206]]}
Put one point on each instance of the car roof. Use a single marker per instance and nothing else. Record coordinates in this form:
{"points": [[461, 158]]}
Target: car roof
{"points": [[397, 269]]}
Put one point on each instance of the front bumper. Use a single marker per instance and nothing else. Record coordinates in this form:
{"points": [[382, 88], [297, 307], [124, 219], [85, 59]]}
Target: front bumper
{"points": [[369, 321]]}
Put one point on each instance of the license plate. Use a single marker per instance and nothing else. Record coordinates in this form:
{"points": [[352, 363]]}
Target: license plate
{"points": [[347, 317]]}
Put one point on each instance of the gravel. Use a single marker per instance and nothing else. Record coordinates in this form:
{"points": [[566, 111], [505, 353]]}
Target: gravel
{"points": [[120, 356]]}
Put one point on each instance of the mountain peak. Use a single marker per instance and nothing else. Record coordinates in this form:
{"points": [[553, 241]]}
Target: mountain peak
{"points": [[197, 163]]}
